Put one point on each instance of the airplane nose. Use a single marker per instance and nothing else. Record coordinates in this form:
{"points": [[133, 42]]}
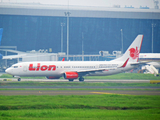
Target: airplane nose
{"points": [[8, 70]]}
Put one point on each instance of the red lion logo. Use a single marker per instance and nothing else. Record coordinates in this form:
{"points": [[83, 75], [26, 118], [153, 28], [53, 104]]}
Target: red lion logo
{"points": [[134, 53]]}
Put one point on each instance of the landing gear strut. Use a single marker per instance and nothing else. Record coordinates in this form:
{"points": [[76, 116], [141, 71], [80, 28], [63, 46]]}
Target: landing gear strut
{"points": [[81, 79]]}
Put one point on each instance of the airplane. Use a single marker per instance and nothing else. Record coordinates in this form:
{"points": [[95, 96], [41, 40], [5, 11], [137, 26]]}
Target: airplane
{"points": [[78, 69], [151, 58], [20, 54]]}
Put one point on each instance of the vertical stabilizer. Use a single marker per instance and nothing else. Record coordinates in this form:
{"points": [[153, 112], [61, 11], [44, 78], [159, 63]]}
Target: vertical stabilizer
{"points": [[132, 53], [1, 31]]}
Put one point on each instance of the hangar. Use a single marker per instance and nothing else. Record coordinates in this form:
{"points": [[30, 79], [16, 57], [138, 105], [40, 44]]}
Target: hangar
{"points": [[37, 26]]}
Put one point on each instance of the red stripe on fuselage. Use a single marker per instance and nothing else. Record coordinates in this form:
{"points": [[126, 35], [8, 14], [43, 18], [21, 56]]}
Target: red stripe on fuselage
{"points": [[124, 65]]}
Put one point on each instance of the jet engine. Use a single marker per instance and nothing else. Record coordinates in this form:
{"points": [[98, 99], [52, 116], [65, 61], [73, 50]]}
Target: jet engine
{"points": [[70, 75]]}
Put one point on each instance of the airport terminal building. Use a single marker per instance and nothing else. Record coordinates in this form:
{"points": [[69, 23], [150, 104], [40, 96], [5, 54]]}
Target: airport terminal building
{"points": [[36, 26]]}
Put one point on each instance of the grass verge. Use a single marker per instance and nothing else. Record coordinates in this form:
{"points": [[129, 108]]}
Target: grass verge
{"points": [[80, 114], [74, 84], [79, 102], [71, 107], [72, 89]]}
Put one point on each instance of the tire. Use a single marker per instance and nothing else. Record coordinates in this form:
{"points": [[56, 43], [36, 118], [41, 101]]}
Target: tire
{"points": [[71, 80], [19, 79], [81, 79]]}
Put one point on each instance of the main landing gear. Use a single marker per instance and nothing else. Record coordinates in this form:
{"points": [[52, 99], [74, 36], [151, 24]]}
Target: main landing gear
{"points": [[81, 79]]}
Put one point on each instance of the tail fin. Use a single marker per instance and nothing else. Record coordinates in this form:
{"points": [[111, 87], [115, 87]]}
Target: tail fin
{"points": [[1, 31], [132, 53]]}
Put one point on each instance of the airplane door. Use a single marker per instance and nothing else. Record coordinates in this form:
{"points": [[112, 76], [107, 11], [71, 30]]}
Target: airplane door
{"points": [[25, 68]]}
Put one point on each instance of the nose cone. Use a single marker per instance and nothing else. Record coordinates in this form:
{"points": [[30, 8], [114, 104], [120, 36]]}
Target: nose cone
{"points": [[8, 70]]}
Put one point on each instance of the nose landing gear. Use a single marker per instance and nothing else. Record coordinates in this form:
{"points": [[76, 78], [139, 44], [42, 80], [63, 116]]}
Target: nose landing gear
{"points": [[19, 79]]}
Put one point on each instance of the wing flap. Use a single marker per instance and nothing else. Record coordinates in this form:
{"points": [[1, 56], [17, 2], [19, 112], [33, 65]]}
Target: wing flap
{"points": [[91, 70]]}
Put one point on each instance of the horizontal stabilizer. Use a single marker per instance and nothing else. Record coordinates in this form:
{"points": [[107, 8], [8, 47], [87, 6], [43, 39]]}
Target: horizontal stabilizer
{"points": [[139, 63]]}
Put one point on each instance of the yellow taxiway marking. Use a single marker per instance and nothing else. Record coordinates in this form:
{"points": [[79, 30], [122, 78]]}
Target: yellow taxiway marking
{"points": [[106, 93], [154, 81]]}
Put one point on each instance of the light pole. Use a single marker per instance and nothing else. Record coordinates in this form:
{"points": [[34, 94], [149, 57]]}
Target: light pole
{"points": [[122, 39], [62, 24], [153, 25], [82, 48], [67, 14]]}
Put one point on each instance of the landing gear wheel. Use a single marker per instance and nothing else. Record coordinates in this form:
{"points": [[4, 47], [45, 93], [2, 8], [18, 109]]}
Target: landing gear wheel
{"points": [[81, 79], [71, 80], [19, 79]]}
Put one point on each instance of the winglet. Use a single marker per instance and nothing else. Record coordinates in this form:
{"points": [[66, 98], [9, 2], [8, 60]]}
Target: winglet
{"points": [[63, 59], [124, 65]]}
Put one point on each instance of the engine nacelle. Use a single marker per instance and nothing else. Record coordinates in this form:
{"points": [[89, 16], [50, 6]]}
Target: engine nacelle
{"points": [[70, 75], [52, 77]]}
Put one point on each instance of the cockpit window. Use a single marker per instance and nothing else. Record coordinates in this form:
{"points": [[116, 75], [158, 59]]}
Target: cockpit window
{"points": [[15, 66]]}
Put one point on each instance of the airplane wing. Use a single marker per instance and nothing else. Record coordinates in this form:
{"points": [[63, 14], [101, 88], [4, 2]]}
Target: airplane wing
{"points": [[20, 54], [85, 72], [13, 51], [12, 56], [90, 70]]}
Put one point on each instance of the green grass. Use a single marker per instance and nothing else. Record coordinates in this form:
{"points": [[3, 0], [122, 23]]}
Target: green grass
{"points": [[79, 102], [80, 114], [128, 76], [82, 89], [92, 107], [80, 107], [138, 76], [107, 84]]}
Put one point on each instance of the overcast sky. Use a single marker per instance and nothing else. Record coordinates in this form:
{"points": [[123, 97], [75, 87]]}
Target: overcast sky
{"points": [[105, 3]]}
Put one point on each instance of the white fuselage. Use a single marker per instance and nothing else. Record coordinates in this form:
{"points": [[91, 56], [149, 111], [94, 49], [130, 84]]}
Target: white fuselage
{"points": [[58, 68]]}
